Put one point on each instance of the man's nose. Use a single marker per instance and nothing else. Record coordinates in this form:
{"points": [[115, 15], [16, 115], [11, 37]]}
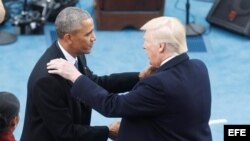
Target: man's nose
{"points": [[93, 38]]}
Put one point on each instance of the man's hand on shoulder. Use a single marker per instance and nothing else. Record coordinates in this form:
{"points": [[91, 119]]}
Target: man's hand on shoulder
{"points": [[63, 68]]}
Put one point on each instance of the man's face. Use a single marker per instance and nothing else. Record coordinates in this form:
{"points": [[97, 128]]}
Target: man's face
{"points": [[151, 49], [83, 39]]}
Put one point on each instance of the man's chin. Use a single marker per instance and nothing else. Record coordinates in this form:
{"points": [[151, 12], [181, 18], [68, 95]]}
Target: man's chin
{"points": [[88, 52]]}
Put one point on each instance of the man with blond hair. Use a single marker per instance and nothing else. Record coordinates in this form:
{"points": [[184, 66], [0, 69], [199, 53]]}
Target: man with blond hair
{"points": [[172, 104]]}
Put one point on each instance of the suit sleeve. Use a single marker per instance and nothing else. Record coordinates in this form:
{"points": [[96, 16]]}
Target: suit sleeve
{"points": [[51, 104], [116, 82], [146, 99]]}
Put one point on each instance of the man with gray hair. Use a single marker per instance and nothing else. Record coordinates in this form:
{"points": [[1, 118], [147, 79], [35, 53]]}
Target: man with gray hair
{"points": [[172, 104], [51, 113]]}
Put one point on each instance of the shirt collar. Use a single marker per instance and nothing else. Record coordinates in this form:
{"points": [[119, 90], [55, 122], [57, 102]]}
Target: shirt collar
{"points": [[169, 58], [68, 57]]}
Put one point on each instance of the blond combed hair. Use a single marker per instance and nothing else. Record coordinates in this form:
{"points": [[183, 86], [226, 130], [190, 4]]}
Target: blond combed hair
{"points": [[168, 30]]}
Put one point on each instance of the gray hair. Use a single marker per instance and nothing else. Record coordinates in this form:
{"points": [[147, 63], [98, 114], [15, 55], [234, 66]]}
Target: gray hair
{"points": [[69, 20], [168, 30]]}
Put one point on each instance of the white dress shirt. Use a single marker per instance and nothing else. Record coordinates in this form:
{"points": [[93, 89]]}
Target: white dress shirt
{"points": [[68, 57]]}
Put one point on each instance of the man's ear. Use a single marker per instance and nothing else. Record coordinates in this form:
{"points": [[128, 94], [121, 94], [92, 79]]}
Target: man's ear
{"points": [[68, 38], [162, 47]]}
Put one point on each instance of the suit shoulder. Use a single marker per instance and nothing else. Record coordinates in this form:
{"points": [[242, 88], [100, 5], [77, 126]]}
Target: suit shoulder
{"points": [[197, 61], [40, 69], [154, 79]]}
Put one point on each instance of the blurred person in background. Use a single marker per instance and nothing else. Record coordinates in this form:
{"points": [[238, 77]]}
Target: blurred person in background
{"points": [[9, 115], [2, 11]]}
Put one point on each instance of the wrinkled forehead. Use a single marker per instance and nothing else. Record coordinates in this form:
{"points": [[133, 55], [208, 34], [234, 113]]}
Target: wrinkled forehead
{"points": [[145, 36], [148, 34]]}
